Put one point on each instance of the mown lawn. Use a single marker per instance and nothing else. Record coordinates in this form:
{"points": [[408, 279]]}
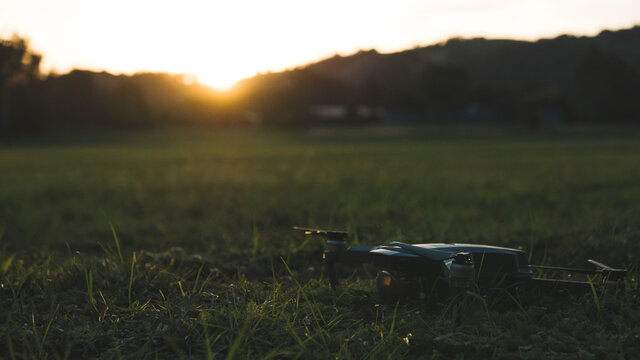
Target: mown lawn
{"points": [[178, 244]]}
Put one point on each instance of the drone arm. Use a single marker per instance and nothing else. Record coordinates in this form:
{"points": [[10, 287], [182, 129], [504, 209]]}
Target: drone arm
{"points": [[357, 255], [566, 269], [557, 287], [612, 280]]}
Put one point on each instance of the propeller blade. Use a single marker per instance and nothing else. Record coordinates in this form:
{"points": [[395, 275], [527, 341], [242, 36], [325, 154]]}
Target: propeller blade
{"points": [[329, 234]]}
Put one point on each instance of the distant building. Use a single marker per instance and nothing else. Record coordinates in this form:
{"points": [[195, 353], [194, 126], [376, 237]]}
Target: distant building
{"points": [[347, 113], [329, 112]]}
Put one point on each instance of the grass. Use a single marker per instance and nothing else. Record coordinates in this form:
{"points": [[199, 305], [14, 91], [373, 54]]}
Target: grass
{"points": [[178, 244]]}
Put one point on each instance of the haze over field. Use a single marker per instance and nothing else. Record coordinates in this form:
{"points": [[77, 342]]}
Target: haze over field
{"points": [[222, 42]]}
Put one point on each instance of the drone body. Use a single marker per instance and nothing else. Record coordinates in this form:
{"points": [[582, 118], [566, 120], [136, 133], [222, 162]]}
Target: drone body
{"points": [[418, 270]]}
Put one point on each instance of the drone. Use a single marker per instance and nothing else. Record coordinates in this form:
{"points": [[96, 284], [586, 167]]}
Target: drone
{"points": [[447, 270]]}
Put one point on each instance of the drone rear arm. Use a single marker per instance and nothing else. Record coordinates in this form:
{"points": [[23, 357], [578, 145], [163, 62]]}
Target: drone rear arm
{"points": [[612, 280], [560, 287]]}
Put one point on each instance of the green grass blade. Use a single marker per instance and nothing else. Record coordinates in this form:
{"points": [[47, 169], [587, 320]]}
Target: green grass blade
{"points": [[207, 341], [393, 320], [133, 263], [117, 242], [195, 284], [238, 340], [6, 264], [12, 355], [596, 298], [89, 279], [46, 331]]}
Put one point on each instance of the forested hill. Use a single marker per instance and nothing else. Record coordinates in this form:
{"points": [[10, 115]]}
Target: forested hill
{"points": [[586, 79], [502, 63]]}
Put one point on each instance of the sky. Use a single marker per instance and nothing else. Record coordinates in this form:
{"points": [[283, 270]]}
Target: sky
{"points": [[221, 42]]}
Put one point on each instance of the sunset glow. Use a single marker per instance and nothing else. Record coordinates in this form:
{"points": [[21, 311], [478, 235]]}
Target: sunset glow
{"points": [[223, 42]]}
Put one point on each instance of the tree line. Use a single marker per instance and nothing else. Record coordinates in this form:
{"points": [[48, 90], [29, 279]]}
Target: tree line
{"points": [[31, 102], [568, 80]]}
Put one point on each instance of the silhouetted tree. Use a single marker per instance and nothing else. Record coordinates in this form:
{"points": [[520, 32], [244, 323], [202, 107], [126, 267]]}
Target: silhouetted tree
{"points": [[19, 70]]}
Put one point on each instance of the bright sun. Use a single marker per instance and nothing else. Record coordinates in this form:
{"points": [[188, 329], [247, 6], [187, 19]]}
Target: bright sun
{"points": [[219, 80], [217, 72]]}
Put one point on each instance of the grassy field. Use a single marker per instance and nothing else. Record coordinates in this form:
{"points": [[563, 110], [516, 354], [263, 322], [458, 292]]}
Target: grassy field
{"points": [[178, 244]]}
